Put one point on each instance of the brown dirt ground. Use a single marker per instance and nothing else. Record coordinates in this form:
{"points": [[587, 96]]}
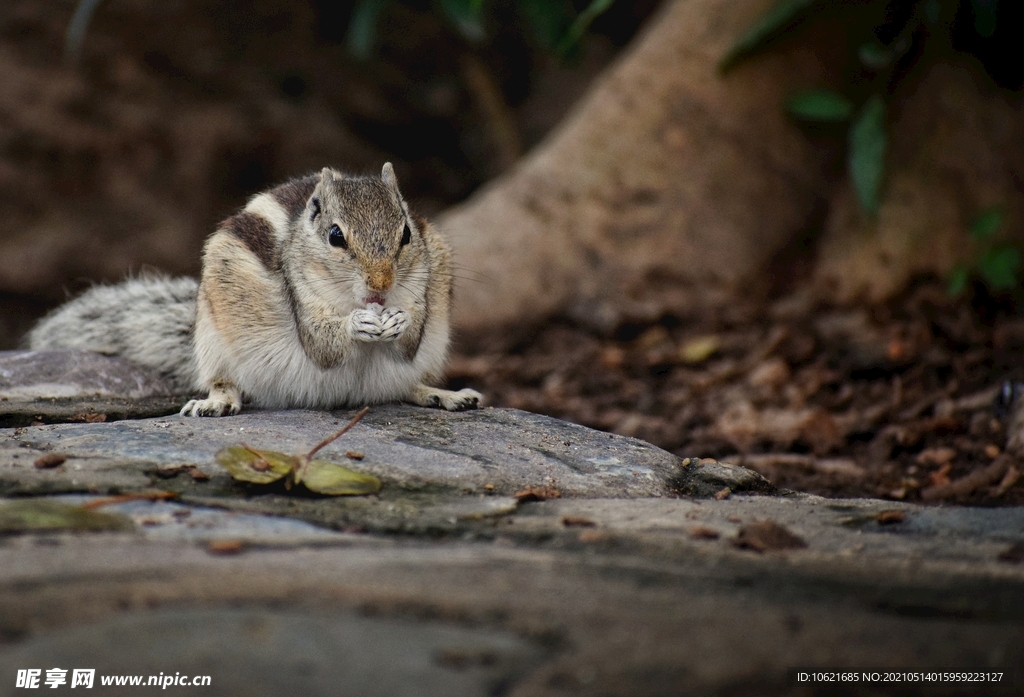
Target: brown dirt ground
{"points": [[895, 400]]}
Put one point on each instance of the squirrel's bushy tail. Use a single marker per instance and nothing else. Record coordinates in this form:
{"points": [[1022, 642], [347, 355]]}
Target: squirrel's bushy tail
{"points": [[149, 320]]}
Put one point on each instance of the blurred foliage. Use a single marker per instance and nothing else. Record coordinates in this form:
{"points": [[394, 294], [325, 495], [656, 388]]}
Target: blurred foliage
{"points": [[996, 262], [823, 106], [556, 24], [891, 37], [867, 144]]}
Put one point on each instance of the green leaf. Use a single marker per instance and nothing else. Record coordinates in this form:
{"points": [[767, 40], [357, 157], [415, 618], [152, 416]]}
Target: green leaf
{"points": [[957, 281], [873, 57], [579, 26], [876, 57], [868, 142], [823, 106], [256, 466], [362, 27], [988, 223], [999, 267], [40, 515], [325, 477], [466, 15], [549, 20], [783, 15], [985, 13]]}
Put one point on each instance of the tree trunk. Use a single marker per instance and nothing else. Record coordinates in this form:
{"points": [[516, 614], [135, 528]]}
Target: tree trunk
{"points": [[667, 173]]}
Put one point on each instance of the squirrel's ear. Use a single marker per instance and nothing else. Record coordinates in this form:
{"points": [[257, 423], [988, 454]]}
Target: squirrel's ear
{"points": [[387, 175], [326, 174]]}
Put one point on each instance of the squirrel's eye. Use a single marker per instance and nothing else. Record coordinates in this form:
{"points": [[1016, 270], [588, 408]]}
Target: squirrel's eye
{"points": [[336, 238], [316, 207], [406, 235]]}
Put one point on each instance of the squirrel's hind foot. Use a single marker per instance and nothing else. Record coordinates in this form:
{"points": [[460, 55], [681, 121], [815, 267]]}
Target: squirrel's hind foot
{"points": [[445, 399], [224, 400]]}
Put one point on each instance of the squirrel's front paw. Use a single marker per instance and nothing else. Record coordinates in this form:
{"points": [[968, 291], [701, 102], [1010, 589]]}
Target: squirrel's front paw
{"points": [[393, 323], [364, 325]]}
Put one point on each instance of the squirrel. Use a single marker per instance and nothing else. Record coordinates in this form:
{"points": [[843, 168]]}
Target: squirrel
{"points": [[322, 292]]}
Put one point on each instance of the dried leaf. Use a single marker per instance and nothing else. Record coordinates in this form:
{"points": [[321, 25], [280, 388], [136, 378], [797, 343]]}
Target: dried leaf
{"points": [[699, 349], [1013, 554], [169, 471], [248, 464], [197, 474], [49, 460], [702, 532], [88, 418], [538, 493], [767, 536], [935, 456], [225, 546], [325, 477], [889, 517], [577, 521], [256, 466]]}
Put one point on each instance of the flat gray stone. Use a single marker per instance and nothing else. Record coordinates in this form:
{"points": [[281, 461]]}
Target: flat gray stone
{"points": [[441, 471], [167, 521], [609, 616], [261, 653], [493, 451], [851, 529], [29, 375], [69, 386]]}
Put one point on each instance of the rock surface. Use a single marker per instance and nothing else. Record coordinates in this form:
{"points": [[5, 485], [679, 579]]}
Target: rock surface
{"points": [[26, 375], [60, 386], [633, 581], [252, 652], [438, 467]]}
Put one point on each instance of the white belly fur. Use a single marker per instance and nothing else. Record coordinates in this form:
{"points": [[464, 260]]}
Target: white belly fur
{"points": [[279, 374]]}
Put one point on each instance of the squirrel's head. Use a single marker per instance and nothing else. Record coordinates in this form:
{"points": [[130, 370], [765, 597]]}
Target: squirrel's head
{"points": [[363, 224]]}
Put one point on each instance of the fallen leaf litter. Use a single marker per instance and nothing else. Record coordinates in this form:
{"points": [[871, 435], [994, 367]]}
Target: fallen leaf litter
{"points": [[834, 400]]}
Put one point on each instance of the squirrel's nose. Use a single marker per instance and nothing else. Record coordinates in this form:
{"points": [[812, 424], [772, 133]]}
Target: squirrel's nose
{"points": [[380, 280]]}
